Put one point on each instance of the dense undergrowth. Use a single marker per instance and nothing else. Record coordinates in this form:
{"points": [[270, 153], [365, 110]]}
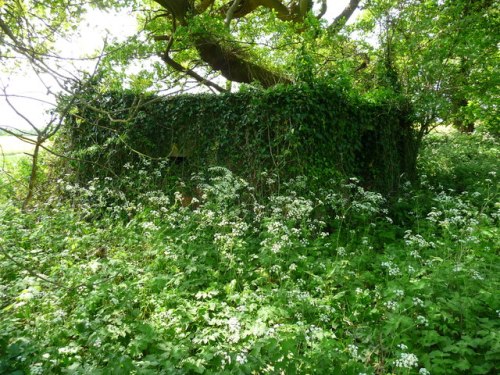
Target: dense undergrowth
{"points": [[334, 281]]}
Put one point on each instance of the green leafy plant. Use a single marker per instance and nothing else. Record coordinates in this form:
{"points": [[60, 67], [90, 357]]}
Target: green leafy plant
{"points": [[334, 279], [317, 129]]}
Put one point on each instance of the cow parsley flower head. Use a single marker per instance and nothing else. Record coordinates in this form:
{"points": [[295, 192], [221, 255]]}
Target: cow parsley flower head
{"points": [[418, 302], [241, 358], [353, 351], [233, 325], [422, 320], [406, 360], [391, 305]]}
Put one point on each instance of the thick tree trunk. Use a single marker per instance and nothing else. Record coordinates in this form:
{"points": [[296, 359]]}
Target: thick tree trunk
{"points": [[233, 65]]}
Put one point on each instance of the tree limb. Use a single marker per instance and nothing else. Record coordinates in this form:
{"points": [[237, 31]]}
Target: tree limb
{"points": [[323, 10], [233, 64], [203, 5], [230, 12], [229, 59], [175, 65], [6, 29], [14, 108], [248, 6], [343, 17], [178, 8]]}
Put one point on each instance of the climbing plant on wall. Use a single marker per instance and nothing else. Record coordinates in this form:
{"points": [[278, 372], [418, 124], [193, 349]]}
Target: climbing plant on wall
{"points": [[319, 129]]}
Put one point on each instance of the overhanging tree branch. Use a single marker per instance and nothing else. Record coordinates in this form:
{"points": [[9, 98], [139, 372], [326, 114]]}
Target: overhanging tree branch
{"points": [[178, 67], [322, 10], [175, 65], [226, 55], [343, 17], [230, 12], [233, 64]]}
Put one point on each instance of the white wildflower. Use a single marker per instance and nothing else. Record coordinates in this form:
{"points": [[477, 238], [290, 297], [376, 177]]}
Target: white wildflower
{"points": [[457, 268], [392, 269], [233, 325], [422, 320], [391, 305], [476, 275], [149, 226], [241, 358], [69, 350], [418, 302], [353, 351], [406, 360], [36, 369]]}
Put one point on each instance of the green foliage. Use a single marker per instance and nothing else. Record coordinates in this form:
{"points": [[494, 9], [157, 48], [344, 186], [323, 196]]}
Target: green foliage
{"points": [[459, 161], [444, 56], [315, 130], [14, 174], [331, 280]]}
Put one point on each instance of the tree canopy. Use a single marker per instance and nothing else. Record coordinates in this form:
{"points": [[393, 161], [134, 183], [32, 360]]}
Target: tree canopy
{"points": [[441, 54]]}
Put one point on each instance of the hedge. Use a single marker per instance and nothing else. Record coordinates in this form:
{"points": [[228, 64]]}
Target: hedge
{"points": [[317, 131]]}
